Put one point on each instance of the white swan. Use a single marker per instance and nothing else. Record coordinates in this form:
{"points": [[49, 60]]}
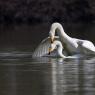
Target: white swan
{"points": [[46, 48], [71, 45], [59, 49]]}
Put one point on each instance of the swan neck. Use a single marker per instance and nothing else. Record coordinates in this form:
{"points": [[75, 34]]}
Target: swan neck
{"points": [[61, 32], [60, 52]]}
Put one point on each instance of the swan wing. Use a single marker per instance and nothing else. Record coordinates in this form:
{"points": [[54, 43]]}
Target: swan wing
{"points": [[89, 46], [43, 47]]}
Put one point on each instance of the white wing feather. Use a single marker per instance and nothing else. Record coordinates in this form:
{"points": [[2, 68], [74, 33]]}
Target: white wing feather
{"points": [[43, 47], [89, 46]]}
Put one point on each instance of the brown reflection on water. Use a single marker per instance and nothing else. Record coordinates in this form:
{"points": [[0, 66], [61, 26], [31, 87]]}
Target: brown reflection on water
{"points": [[47, 76]]}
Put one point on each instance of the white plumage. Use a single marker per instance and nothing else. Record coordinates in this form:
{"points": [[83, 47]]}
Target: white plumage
{"points": [[71, 45], [59, 50], [43, 48]]}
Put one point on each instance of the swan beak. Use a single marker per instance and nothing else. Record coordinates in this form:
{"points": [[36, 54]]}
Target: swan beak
{"points": [[52, 40], [50, 50]]}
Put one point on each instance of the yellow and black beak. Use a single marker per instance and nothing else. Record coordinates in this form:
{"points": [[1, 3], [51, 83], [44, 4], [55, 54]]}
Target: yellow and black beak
{"points": [[50, 50]]}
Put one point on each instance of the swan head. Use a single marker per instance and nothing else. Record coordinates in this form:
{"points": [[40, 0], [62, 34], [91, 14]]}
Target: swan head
{"points": [[52, 47], [55, 45], [54, 27]]}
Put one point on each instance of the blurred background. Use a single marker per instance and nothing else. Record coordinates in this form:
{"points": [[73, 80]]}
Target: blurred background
{"points": [[24, 23]]}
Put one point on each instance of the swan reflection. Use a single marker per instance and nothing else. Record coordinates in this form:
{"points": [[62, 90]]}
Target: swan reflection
{"points": [[74, 77], [48, 76], [64, 77]]}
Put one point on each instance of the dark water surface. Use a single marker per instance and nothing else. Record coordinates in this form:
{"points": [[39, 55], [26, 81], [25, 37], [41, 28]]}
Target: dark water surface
{"points": [[22, 75]]}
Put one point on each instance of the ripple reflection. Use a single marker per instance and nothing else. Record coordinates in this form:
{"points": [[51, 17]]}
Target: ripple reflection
{"points": [[47, 76]]}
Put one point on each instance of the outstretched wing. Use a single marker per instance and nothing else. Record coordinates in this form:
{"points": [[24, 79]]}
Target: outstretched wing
{"points": [[43, 47]]}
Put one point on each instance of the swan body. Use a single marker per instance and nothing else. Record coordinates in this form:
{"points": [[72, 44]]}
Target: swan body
{"points": [[72, 45], [59, 50]]}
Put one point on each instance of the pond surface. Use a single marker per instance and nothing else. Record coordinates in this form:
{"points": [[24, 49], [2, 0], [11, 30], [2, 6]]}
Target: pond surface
{"points": [[22, 75]]}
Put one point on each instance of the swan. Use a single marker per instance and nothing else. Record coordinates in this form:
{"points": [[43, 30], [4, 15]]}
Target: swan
{"points": [[48, 49], [59, 50], [71, 45]]}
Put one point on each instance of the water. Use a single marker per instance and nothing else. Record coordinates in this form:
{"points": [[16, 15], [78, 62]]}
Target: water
{"points": [[22, 75]]}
